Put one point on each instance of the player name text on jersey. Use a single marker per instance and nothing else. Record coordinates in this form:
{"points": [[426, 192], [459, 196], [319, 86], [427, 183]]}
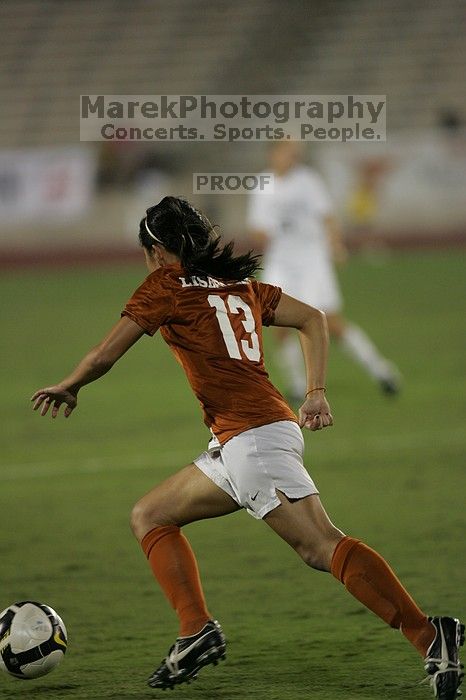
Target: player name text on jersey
{"points": [[205, 282]]}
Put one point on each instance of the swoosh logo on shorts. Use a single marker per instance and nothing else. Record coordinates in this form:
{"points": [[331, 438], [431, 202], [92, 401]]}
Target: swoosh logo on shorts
{"points": [[253, 498]]}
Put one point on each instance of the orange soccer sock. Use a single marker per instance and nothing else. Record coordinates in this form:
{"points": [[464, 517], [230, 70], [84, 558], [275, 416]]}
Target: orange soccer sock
{"points": [[174, 566], [368, 577]]}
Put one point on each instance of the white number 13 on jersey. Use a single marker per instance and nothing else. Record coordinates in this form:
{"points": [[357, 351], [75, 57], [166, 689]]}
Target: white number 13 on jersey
{"points": [[234, 305]]}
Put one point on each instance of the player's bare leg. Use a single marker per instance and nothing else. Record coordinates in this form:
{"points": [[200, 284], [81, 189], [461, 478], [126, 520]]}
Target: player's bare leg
{"points": [[305, 525], [187, 496], [156, 519], [354, 341]]}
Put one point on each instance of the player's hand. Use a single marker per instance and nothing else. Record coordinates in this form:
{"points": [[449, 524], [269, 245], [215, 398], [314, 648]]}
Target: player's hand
{"points": [[315, 414], [54, 396]]}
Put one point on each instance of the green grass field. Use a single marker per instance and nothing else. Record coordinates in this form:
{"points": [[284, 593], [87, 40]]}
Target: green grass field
{"points": [[390, 472]]}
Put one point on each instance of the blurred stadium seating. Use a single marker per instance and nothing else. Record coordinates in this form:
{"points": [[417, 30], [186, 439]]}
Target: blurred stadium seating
{"points": [[53, 51]]}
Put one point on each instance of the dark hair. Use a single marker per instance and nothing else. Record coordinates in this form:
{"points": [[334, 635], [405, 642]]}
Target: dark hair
{"points": [[186, 232]]}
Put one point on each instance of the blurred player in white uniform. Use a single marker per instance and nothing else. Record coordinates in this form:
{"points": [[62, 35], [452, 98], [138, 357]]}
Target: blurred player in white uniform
{"points": [[297, 227]]}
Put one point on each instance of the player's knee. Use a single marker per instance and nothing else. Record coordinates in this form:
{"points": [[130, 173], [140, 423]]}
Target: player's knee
{"points": [[144, 517], [314, 557], [137, 514], [318, 555]]}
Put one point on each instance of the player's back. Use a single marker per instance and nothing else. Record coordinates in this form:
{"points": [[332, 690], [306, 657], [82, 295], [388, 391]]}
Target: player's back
{"points": [[214, 328]]}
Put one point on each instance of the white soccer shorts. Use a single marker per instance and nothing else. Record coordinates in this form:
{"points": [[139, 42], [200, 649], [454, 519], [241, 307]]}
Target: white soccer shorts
{"points": [[254, 465], [315, 283]]}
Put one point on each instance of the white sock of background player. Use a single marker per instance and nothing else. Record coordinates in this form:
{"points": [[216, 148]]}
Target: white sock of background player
{"points": [[362, 349]]}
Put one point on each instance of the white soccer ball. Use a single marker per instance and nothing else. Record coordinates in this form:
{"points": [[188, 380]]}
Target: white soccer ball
{"points": [[33, 640]]}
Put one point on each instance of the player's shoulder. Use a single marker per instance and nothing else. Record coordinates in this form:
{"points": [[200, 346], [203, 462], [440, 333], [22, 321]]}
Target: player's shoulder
{"points": [[161, 284], [166, 276], [257, 288]]}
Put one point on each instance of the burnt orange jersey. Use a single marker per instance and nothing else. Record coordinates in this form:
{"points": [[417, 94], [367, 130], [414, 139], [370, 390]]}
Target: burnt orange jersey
{"points": [[214, 329]]}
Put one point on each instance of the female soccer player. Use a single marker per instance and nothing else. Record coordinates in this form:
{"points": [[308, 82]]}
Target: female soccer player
{"points": [[297, 226], [210, 312]]}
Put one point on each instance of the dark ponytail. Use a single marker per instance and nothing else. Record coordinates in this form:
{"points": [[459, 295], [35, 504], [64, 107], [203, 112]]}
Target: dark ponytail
{"points": [[186, 232]]}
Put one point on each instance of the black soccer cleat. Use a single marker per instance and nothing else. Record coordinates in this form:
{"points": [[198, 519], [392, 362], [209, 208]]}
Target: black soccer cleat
{"points": [[388, 378], [188, 655], [442, 660], [390, 386]]}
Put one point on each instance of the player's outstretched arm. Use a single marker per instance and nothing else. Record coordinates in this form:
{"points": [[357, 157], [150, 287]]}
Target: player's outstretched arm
{"points": [[95, 364], [313, 335]]}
